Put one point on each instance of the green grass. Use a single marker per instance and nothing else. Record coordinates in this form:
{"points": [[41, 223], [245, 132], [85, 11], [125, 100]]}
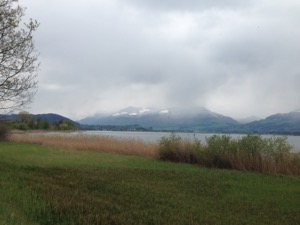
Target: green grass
{"points": [[43, 185]]}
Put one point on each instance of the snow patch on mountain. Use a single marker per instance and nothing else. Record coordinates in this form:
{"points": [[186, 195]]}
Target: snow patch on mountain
{"points": [[133, 111], [164, 111], [121, 114], [144, 110]]}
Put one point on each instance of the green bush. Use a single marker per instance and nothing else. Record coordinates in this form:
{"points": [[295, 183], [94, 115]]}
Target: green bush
{"points": [[219, 151], [250, 152], [252, 144], [174, 148], [170, 148], [281, 148], [4, 132], [23, 126]]}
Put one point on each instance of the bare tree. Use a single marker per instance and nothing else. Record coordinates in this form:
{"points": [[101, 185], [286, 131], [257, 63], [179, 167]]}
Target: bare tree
{"points": [[18, 57]]}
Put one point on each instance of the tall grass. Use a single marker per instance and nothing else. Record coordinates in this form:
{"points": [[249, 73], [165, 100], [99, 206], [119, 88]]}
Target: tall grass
{"points": [[250, 152], [92, 143]]}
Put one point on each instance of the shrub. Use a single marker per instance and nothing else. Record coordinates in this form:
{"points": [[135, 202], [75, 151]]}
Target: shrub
{"points": [[23, 126], [251, 144], [4, 132], [250, 152], [170, 148], [265, 154], [220, 150], [173, 148]]}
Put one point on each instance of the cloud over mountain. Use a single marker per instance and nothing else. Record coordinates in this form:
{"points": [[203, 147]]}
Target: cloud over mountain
{"points": [[237, 58]]}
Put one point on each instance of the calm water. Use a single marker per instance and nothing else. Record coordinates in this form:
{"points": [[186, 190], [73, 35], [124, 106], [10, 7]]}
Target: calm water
{"points": [[156, 136]]}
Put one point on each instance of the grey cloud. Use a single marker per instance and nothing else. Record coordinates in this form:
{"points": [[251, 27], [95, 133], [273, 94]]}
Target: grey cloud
{"points": [[190, 5], [230, 56]]}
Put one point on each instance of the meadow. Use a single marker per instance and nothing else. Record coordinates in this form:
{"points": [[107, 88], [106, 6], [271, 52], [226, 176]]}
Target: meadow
{"points": [[47, 184]]}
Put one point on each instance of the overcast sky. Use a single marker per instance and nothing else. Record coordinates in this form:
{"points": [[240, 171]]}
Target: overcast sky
{"points": [[237, 58]]}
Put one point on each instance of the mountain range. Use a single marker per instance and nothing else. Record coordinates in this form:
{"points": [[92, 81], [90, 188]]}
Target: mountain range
{"points": [[180, 119], [197, 119], [288, 123]]}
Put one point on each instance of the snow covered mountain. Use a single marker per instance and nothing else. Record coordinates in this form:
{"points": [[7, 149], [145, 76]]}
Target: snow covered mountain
{"points": [[195, 119], [134, 111]]}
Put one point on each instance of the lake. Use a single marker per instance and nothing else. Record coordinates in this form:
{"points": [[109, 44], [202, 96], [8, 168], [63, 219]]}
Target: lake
{"points": [[156, 136]]}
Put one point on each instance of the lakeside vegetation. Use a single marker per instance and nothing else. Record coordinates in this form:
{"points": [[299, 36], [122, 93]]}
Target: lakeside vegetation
{"points": [[50, 185], [92, 143], [248, 153]]}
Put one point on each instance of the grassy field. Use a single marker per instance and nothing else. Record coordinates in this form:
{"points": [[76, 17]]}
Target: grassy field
{"points": [[48, 185]]}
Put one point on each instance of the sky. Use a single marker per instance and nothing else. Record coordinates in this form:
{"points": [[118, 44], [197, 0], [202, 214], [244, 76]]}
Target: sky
{"points": [[236, 58]]}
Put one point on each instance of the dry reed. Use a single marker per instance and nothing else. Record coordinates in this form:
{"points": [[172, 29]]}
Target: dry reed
{"points": [[92, 143]]}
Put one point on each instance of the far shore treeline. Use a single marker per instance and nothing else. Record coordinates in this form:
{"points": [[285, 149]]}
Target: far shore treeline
{"points": [[26, 121]]}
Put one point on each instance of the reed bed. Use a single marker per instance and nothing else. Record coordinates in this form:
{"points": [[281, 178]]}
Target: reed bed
{"points": [[92, 143]]}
